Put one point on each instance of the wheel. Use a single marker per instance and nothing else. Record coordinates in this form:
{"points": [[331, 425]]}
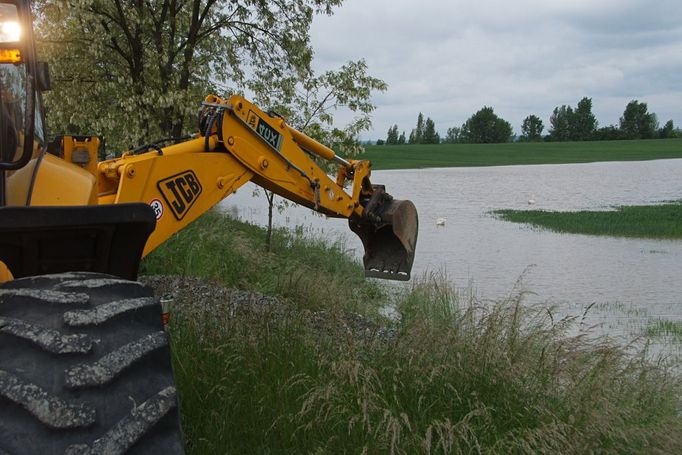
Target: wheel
{"points": [[84, 368]]}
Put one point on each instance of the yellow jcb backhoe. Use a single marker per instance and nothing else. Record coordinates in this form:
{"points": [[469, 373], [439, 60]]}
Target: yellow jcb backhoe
{"points": [[79, 342]]}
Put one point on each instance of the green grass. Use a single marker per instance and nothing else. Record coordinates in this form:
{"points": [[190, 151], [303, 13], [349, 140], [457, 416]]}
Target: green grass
{"points": [[665, 328], [457, 155], [303, 269], [647, 221], [452, 376]]}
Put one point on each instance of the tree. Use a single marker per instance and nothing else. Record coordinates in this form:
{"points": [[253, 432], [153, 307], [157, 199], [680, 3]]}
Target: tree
{"points": [[419, 131], [313, 100], [608, 133], [637, 122], [452, 135], [401, 139], [313, 104], [562, 124], [532, 128], [584, 122], [392, 138], [485, 127], [668, 131], [413, 137], [570, 124], [430, 135], [145, 65]]}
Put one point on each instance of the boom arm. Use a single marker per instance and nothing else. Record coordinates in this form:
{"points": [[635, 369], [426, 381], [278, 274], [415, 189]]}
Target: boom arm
{"points": [[238, 143]]}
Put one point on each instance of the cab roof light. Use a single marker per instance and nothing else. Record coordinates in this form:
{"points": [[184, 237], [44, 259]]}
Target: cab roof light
{"points": [[10, 31]]}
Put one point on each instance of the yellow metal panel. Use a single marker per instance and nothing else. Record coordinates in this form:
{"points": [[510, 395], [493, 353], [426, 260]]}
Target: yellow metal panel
{"points": [[310, 144], [5, 274], [266, 146], [178, 186], [82, 153], [19, 182], [62, 183], [57, 183]]}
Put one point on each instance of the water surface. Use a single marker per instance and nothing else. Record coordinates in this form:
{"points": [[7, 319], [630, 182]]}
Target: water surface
{"points": [[632, 278]]}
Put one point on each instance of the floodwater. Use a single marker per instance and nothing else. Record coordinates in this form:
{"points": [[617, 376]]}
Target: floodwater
{"points": [[626, 283]]}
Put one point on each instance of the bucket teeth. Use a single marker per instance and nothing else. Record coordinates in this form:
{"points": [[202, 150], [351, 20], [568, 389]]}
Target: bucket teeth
{"points": [[389, 236]]}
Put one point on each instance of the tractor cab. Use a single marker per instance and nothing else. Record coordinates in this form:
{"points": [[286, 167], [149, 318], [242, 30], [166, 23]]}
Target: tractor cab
{"points": [[46, 224], [22, 134]]}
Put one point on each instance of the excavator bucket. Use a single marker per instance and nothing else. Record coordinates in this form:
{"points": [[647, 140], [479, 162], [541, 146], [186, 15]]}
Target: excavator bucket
{"points": [[389, 240]]}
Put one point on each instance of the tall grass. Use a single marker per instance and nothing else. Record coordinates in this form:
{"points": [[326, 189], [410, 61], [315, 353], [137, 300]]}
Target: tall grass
{"points": [[305, 373], [454, 375]]}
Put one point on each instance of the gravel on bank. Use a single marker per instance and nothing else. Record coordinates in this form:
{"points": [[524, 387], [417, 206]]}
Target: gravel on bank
{"points": [[195, 298], [192, 296]]}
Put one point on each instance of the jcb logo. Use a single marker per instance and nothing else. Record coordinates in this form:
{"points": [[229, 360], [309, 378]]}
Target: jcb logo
{"points": [[180, 192]]}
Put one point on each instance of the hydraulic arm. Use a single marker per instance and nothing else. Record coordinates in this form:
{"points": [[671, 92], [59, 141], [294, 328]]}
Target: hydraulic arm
{"points": [[238, 143]]}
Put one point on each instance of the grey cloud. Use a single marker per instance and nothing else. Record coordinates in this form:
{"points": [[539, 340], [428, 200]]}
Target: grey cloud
{"points": [[447, 59]]}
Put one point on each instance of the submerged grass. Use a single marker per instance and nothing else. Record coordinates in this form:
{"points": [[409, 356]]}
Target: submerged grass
{"points": [[665, 328], [662, 221], [453, 375]]}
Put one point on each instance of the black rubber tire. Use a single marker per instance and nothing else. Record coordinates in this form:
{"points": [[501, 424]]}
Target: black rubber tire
{"points": [[107, 387]]}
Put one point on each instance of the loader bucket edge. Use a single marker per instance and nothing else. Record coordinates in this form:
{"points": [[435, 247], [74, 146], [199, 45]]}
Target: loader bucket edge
{"points": [[390, 243]]}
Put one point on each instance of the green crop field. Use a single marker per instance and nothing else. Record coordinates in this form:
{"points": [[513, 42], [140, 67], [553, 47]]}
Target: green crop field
{"points": [[455, 155]]}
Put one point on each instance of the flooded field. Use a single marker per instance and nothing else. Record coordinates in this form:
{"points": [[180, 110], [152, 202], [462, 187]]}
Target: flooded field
{"points": [[626, 286]]}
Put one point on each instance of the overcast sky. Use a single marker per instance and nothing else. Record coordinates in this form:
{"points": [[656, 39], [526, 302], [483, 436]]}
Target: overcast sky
{"points": [[448, 59]]}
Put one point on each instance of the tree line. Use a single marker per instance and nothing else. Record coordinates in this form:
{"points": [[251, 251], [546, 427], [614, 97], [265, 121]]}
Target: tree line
{"points": [[567, 123]]}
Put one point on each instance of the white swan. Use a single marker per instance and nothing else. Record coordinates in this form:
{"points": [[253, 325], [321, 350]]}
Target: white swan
{"points": [[440, 221], [531, 201]]}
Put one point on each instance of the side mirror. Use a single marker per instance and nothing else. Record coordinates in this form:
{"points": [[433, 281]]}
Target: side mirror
{"points": [[43, 77]]}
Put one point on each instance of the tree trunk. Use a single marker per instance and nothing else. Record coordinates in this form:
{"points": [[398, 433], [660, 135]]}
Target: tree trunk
{"points": [[268, 235]]}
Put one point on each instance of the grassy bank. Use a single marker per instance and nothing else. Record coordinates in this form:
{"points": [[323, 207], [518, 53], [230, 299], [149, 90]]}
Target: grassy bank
{"points": [[650, 221], [455, 155], [301, 269], [452, 376]]}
